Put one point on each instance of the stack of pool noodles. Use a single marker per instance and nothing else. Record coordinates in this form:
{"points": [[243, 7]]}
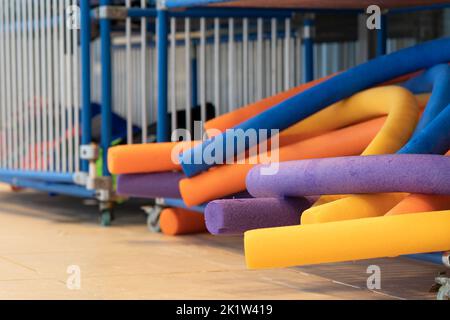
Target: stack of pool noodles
{"points": [[361, 171]]}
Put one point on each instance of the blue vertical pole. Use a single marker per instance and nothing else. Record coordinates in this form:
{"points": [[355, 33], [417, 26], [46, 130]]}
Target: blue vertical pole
{"points": [[308, 49], [382, 36], [86, 111], [162, 127], [194, 80], [106, 110]]}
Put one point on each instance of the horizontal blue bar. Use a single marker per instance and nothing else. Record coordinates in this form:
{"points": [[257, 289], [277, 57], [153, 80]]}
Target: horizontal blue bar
{"points": [[435, 257], [191, 3], [178, 203], [38, 175], [420, 8], [58, 188], [141, 12]]}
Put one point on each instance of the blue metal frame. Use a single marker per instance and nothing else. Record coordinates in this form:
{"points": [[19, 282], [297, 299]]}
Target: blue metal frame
{"points": [[86, 110], [308, 50], [162, 128], [382, 36], [178, 203], [106, 106], [50, 187], [38, 175]]}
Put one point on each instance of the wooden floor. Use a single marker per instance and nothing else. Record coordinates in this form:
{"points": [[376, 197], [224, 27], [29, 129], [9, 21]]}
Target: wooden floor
{"points": [[41, 236]]}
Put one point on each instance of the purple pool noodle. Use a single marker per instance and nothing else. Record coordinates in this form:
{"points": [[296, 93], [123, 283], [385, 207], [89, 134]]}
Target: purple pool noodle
{"points": [[413, 173], [235, 216], [150, 185]]}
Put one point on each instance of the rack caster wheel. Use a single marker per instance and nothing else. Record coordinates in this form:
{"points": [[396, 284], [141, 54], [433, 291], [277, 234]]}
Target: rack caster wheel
{"points": [[153, 214], [106, 217], [444, 288]]}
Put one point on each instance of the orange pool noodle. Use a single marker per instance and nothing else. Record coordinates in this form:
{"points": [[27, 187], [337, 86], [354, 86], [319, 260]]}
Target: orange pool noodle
{"points": [[145, 158], [177, 221], [230, 178]]}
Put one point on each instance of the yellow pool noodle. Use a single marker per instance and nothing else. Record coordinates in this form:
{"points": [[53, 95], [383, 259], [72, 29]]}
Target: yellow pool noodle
{"points": [[352, 207], [365, 105], [403, 113], [369, 238]]}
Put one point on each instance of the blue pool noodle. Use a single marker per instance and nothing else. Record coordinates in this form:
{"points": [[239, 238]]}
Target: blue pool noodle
{"points": [[322, 95], [436, 80]]}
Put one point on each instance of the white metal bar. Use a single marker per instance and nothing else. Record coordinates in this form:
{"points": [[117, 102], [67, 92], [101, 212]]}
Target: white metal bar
{"points": [[63, 89], [20, 87], [69, 94], [287, 50], [76, 96], [14, 116], [259, 52], [217, 65], [8, 86], [231, 66], [203, 70], [144, 85], [172, 77], [43, 73], [187, 39], [26, 97], [3, 155], [273, 55], [50, 102], [57, 84], [245, 60]]}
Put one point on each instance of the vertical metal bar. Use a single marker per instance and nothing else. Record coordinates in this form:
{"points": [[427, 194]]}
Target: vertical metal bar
{"points": [[363, 35], [162, 133], [287, 50], [217, 66], [57, 78], [8, 85], [260, 65], [382, 36], [63, 83], [14, 91], [86, 111], [144, 85], [3, 162], [202, 70], [187, 62], [129, 100], [44, 109], [106, 111], [50, 102], [245, 79], [172, 64], [231, 66], [69, 93], [20, 86], [308, 47], [273, 55], [76, 95], [26, 76]]}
